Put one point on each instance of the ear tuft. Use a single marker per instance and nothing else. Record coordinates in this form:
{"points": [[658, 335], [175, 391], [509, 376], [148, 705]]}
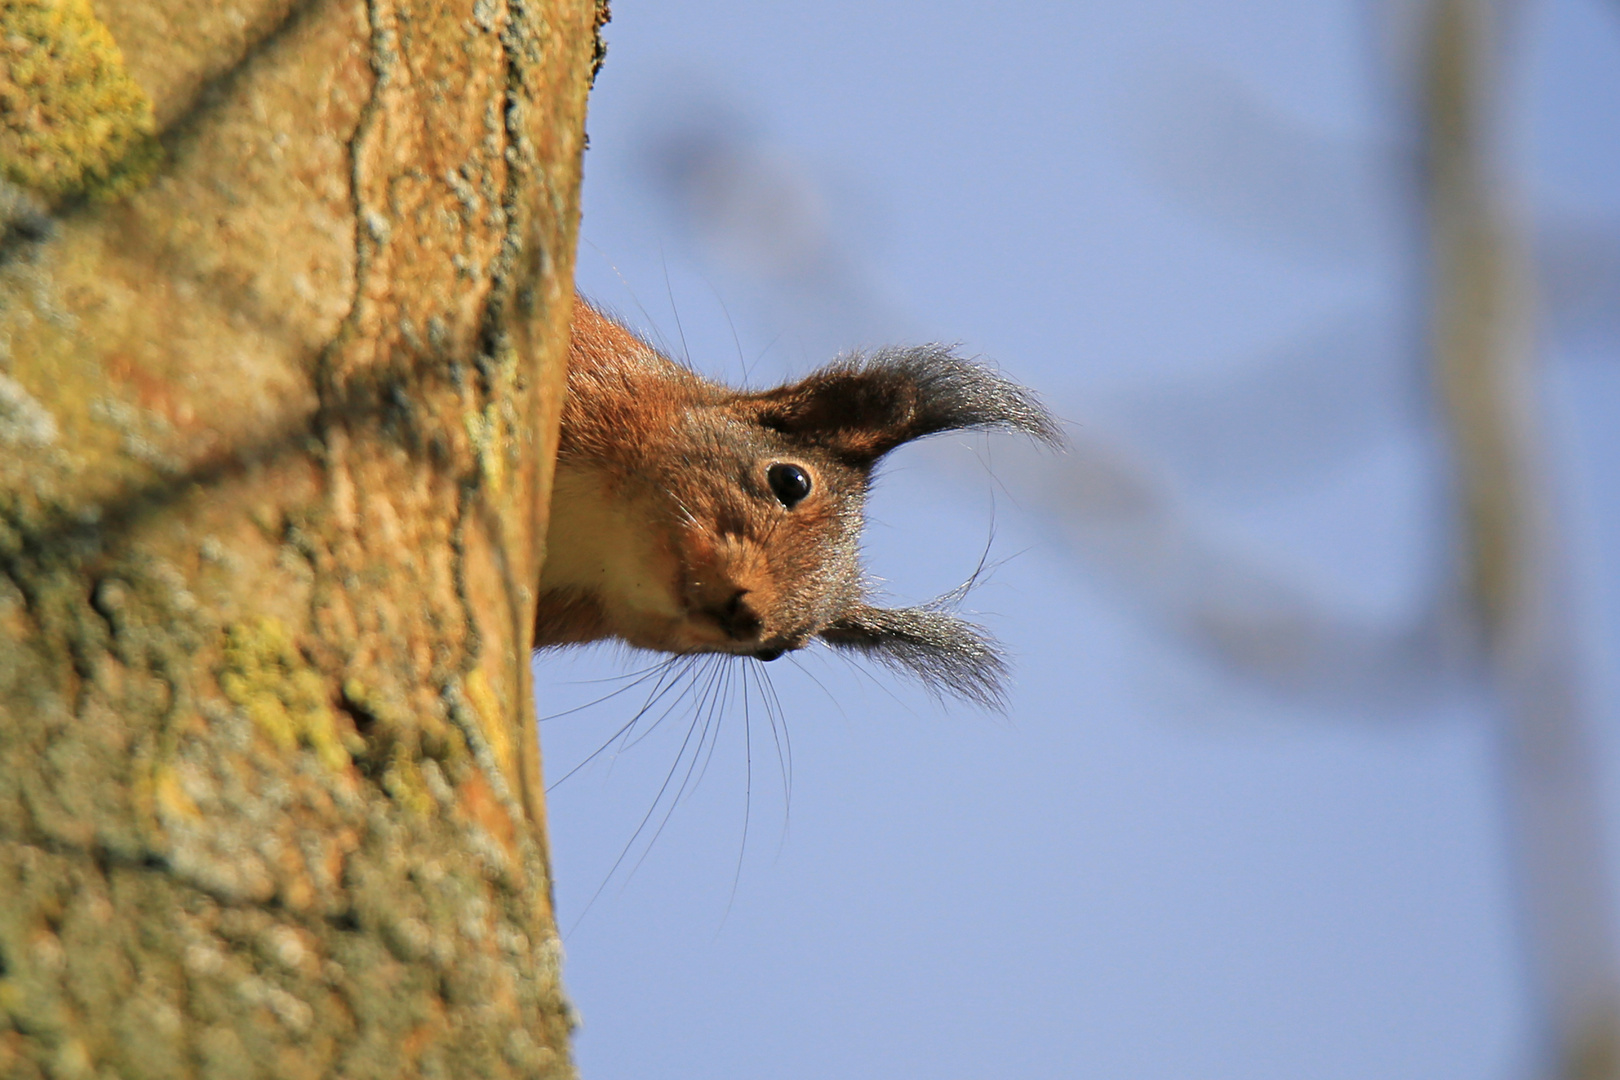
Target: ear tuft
{"points": [[949, 655], [861, 407]]}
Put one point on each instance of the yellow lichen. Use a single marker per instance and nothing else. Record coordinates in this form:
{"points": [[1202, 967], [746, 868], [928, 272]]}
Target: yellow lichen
{"points": [[72, 121], [491, 720], [405, 784], [487, 434], [266, 678], [357, 695], [170, 796], [391, 739]]}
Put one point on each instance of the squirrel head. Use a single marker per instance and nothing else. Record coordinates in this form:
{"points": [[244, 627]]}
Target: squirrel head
{"points": [[690, 517]]}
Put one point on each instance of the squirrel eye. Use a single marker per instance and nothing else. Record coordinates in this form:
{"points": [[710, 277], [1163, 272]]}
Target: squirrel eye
{"points": [[789, 483]]}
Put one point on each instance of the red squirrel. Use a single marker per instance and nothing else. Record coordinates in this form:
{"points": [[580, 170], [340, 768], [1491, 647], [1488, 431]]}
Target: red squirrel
{"points": [[688, 517]]}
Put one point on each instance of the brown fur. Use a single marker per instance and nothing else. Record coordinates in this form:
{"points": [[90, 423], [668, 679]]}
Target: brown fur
{"points": [[666, 532]]}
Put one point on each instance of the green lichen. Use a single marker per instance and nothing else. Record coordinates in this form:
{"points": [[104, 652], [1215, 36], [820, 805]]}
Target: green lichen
{"points": [[72, 121], [266, 678]]}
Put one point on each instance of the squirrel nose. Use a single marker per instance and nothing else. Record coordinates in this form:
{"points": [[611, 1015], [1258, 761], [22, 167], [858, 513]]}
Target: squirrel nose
{"points": [[737, 618]]}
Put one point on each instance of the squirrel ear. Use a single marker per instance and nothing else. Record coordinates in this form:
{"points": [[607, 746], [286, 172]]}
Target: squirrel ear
{"points": [[861, 407], [947, 653]]}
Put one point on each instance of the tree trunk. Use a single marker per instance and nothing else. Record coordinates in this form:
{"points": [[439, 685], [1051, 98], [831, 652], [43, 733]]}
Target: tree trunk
{"points": [[285, 288]]}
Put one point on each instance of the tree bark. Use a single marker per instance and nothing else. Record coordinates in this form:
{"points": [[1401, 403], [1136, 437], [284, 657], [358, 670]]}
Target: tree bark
{"points": [[285, 288]]}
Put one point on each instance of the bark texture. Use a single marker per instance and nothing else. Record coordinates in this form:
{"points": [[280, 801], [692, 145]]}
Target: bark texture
{"points": [[284, 299]]}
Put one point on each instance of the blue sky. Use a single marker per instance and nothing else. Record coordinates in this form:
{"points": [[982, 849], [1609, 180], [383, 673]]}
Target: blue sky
{"points": [[1184, 224]]}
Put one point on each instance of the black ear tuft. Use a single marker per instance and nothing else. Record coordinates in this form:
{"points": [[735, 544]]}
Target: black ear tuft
{"points": [[947, 653], [861, 407]]}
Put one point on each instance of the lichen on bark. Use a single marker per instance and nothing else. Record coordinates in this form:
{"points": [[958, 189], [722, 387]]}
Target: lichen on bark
{"points": [[275, 439], [72, 121]]}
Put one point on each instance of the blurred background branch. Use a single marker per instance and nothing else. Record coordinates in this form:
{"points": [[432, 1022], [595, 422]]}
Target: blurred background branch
{"points": [[1517, 573]]}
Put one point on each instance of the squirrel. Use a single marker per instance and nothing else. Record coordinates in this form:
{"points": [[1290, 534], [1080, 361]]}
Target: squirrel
{"points": [[689, 517]]}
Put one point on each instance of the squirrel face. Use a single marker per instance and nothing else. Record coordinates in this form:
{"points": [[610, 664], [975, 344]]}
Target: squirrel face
{"points": [[689, 517]]}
